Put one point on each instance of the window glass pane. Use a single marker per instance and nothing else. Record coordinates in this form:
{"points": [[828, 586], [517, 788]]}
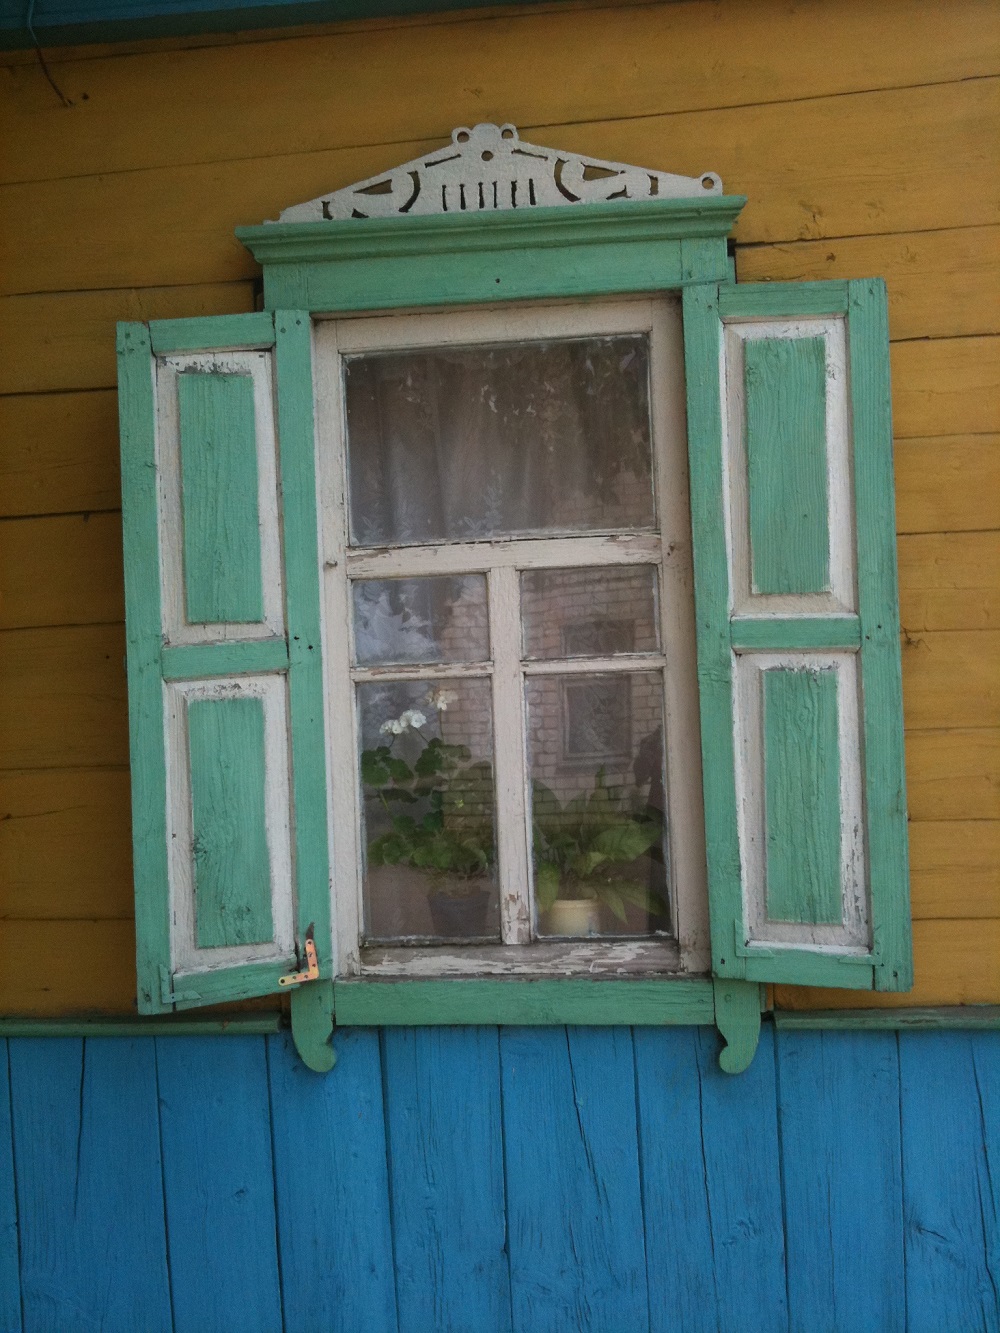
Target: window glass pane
{"points": [[589, 612], [428, 813], [598, 804], [420, 620], [458, 444]]}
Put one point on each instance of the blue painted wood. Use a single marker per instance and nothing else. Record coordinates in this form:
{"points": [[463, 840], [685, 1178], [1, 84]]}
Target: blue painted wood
{"points": [[577, 1251], [838, 1104], [331, 1186], [681, 1272], [10, 1268], [218, 1183], [950, 1104], [742, 1174], [443, 1128], [89, 1186]]}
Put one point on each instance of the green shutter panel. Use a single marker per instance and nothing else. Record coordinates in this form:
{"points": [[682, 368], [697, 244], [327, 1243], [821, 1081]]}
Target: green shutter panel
{"points": [[790, 447], [224, 656]]}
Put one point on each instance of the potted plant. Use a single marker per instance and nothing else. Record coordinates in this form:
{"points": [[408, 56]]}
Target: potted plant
{"points": [[439, 808], [585, 852]]}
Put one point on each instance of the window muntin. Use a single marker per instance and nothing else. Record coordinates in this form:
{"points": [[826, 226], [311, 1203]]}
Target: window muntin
{"points": [[636, 585]]}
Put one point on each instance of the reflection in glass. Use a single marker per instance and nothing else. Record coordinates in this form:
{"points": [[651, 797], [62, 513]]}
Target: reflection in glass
{"points": [[428, 811], [438, 619], [460, 444], [589, 612], [598, 804]]}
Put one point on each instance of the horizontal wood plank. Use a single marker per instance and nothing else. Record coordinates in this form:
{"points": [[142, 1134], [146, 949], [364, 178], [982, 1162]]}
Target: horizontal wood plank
{"points": [[61, 571], [950, 580], [950, 679], [953, 774], [358, 85], [945, 386], [941, 283], [64, 699], [67, 967], [174, 225], [948, 484], [66, 843], [954, 962], [955, 869], [67, 340], [60, 453]]}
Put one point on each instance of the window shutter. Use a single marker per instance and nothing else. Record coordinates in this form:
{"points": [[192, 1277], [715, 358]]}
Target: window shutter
{"points": [[798, 632], [224, 656]]}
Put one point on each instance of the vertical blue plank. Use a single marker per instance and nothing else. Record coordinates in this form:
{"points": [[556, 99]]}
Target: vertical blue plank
{"points": [[89, 1187], [739, 1119], [841, 1159], [219, 1183], [951, 1169], [332, 1188], [10, 1277], [577, 1246], [442, 1101], [681, 1273]]}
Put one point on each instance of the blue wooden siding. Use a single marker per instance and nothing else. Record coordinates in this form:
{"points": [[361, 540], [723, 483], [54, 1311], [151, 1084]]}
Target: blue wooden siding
{"points": [[478, 1179]]}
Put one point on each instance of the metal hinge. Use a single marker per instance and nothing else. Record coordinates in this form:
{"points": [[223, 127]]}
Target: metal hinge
{"points": [[170, 996], [311, 970]]}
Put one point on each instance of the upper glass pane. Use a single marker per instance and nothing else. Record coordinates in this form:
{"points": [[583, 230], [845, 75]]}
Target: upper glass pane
{"points": [[589, 612], [438, 619], [466, 443]]}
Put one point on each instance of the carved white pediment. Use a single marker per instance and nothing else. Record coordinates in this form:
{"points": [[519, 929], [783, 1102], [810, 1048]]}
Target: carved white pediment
{"points": [[489, 167]]}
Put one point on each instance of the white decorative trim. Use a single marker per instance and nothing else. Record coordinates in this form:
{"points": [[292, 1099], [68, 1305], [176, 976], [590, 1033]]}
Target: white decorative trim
{"points": [[489, 168]]}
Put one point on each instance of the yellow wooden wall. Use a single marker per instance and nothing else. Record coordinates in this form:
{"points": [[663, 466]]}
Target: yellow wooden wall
{"points": [[866, 136]]}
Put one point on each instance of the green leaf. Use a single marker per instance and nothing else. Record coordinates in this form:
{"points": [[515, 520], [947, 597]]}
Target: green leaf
{"points": [[373, 768], [547, 879], [624, 842], [614, 901], [400, 771]]}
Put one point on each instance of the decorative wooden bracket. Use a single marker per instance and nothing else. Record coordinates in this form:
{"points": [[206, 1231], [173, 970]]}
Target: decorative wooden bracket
{"points": [[312, 1026], [737, 1016]]}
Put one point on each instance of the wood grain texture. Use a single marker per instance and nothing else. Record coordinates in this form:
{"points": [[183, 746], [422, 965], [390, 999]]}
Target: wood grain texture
{"points": [[10, 1259], [65, 843], [609, 62], [49, 968], [953, 774], [950, 679], [941, 283], [954, 962], [955, 868], [332, 1188], [445, 1148], [838, 1106], [948, 484], [63, 703], [89, 1185], [574, 1205], [218, 1183], [950, 580], [67, 340], [60, 453], [945, 386], [952, 1228], [61, 571]]}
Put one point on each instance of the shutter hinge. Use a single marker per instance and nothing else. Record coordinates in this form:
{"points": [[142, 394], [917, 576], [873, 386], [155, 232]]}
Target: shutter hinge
{"points": [[170, 996], [311, 970]]}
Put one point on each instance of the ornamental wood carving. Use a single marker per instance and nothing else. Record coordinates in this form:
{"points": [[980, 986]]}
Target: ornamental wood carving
{"points": [[489, 167]]}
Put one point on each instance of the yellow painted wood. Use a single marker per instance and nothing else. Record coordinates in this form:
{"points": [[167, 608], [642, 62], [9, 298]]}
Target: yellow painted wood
{"points": [[67, 967], [381, 83], [950, 580], [950, 679], [953, 774], [65, 843], [61, 571], [63, 701], [59, 454], [945, 386], [67, 340], [955, 868], [940, 283], [947, 484], [954, 962]]}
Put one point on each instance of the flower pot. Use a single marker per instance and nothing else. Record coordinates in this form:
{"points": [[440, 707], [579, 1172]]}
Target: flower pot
{"points": [[574, 916]]}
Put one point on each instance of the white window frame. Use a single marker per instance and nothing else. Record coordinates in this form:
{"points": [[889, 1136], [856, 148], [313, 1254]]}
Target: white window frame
{"points": [[501, 560]]}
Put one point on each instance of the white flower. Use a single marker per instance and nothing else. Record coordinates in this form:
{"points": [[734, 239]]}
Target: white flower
{"points": [[441, 698], [412, 718], [395, 726]]}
